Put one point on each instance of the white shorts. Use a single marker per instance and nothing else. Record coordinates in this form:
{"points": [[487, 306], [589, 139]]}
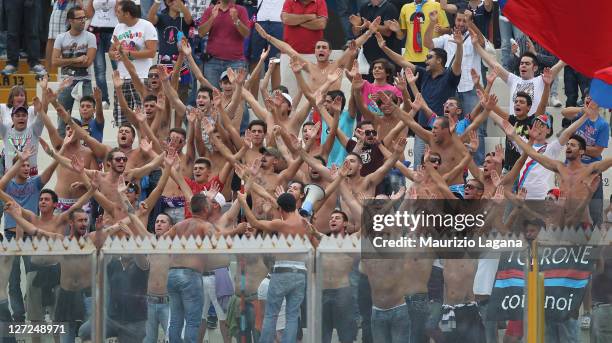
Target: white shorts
{"points": [[210, 295]]}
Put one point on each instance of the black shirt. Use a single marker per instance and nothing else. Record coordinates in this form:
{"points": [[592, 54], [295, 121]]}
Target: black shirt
{"points": [[167, 31], [436, 91], [371, 157], [128, 290], [386, 11], [522, 129]]}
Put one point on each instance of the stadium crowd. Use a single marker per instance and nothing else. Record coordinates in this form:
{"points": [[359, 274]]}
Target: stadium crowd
{"points": [[210, 142]]}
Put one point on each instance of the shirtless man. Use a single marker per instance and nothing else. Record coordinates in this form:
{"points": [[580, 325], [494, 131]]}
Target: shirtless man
{"points": [[66, 192], [288, 280], [367, 184], [158, 311], [185, 275], [571, 174], [440, 140], [318, 71], [338, 303], [399, 291]]}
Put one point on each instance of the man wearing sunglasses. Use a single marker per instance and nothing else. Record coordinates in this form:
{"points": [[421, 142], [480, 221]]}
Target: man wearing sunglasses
{"points": [[74, 51]]}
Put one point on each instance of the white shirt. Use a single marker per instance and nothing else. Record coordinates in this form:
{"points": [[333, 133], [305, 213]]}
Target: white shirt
{"points": [[104, 13], [485, 276], [133, 39], [536, 179], [534, 87], [270, 10], [471, 59], [19, 140]]}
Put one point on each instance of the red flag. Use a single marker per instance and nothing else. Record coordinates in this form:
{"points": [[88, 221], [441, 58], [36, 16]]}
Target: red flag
{"points": [[578, 32]]}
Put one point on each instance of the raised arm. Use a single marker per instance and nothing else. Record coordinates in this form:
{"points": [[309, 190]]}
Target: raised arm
{"points": [[279, 44], [171, 93], [546, 162], [14, 169], [394, 56], [193, 66], [398, 151], [151, 200], [490, 60]]}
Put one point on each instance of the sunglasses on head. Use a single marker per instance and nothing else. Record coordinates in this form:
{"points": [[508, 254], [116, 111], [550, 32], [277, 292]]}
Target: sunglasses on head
{"points": [[120, 159], [370, 132]]}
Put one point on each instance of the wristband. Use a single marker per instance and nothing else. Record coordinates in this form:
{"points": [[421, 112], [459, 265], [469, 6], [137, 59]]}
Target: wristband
{"points": [[157, 1]]}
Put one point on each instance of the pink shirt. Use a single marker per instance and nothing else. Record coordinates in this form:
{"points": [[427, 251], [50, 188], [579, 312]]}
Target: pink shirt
{"points": [[224, 40], [370, 89]]}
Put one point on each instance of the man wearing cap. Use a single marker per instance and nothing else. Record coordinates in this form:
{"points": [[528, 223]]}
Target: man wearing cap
{"points": [[21, 135], [288, 277]]}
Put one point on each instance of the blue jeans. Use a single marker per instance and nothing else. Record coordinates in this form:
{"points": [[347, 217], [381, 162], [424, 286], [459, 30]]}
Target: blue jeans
{"points": [[258, 44], [2, 42], [145, 6], [22, 26], [391, 326], [469, 100], [573, 80], [490, 326], [193, 93], [65, 99], [508, 31], [562, 332], [186, 301], [85, 329], [596, 205], [214, 67], [419, 150], [345, 9], [157, 314], [601, 323], [5, 317], [418, 310], [104, 44], [289, 286]]}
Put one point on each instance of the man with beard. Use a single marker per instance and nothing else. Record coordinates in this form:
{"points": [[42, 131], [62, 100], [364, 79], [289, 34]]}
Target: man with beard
{"points": [[74, 51]]}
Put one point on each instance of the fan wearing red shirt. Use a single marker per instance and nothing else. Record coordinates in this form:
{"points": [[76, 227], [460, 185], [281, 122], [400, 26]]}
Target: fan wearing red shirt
{"points": [[202, 181], [304, 22]]}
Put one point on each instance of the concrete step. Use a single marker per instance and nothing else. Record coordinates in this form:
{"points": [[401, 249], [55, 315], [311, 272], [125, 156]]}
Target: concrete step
{"points": [[23, 66], [20, 79]]}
